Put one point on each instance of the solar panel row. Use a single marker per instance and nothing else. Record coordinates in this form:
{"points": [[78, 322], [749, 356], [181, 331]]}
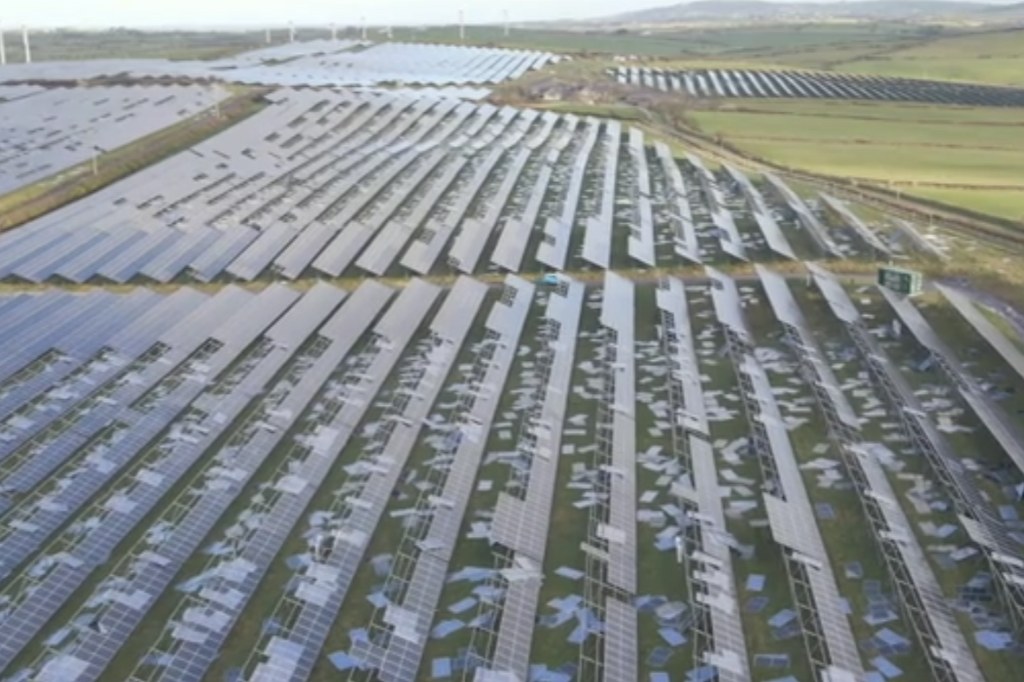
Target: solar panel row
{"points": [[804, 216], [597, 239], [641, 239], [817, 85], [610, 580], [790, 515], [773, 235], [728, 234], [684, 232], [709, 552], [521, 524]]}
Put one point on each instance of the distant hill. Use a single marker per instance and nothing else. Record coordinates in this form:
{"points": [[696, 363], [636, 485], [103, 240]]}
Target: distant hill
{"points": [[1015, 11], [754, 10]]}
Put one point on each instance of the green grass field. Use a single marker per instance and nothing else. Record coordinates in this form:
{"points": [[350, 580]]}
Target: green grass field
{"points": [[991, 57], [995, 202], [681, 42], [970, 158]]}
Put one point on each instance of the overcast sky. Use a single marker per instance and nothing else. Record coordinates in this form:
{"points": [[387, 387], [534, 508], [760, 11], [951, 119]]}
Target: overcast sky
{"points": [[103, 13], [280, 12]]}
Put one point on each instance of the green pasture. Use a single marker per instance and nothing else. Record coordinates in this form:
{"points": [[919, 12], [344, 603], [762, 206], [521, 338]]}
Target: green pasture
{"points": [[970, 158], [990, 57]]}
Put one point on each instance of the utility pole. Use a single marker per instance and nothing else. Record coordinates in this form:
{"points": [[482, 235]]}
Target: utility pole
{"points": [[506, 23], [3, 53], [28, 50], [291, 31], [462, 26], [268, 36], [334, 31], [363, 19]]}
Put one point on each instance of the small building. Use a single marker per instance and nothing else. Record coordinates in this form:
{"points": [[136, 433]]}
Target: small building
{"points": [[900, 280]]}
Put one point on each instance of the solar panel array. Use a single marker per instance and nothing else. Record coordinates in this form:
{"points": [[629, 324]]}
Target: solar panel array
{"points": [[181, 346], [330, 184], [977, 514], [44, 132], [816, 85], [335, 415], [160, 451], [291, 652], [920, 595], [316, 63]]}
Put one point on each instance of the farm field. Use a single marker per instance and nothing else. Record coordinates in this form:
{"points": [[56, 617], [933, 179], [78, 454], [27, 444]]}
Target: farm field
{"points": [[967, 157], [984, 57]]}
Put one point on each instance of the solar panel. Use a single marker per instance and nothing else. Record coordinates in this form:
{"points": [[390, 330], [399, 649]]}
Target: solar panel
{"points": [[728, 306], [988, 331], [857, 225], [773, 235]]}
